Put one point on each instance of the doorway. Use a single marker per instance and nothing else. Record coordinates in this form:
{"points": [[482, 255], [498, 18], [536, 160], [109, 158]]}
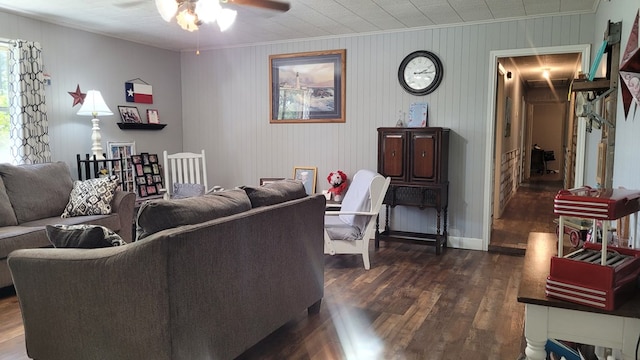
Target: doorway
{"points": [[508, 153]]}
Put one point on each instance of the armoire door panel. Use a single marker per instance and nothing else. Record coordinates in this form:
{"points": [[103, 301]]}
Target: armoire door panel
{"points": [[393, 160], [423, 156]]}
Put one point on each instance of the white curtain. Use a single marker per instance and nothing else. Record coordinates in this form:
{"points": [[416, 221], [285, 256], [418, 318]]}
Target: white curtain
{"points": [[29, 130]]}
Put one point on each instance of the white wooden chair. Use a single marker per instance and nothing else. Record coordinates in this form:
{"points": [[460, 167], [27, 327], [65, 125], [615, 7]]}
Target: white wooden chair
{"points": [[184, 168], [349, 230]]}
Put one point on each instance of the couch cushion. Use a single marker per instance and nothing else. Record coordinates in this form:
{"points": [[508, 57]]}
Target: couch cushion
{"points": [[37, 191], [91, 197], [7, 216], [157, 215], [82, 236], [275, 192]]}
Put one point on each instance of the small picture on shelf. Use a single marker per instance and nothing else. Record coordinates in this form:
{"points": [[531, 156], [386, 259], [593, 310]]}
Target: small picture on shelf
{"points": [[142, 190], [141, 180], [152, 116], [149, 179], [151, 189], [153, 158], [136, 159], [129, 114], [145, 158], [139, 170], [155, 168]]}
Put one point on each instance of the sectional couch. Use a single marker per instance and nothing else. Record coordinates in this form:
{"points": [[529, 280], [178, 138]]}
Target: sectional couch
{"points": [[207, 278], [33, 196]]}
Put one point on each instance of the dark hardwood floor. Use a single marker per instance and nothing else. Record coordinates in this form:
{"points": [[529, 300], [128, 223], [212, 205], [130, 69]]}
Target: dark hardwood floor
{"points": [[412, 304], [529, 210]]}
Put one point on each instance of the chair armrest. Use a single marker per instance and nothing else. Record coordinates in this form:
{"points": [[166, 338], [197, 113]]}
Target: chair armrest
{"points": [[64, 293], [123, 204]]}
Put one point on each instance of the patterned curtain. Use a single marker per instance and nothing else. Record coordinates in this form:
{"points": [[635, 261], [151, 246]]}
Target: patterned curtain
{"points": [[29, 130]]}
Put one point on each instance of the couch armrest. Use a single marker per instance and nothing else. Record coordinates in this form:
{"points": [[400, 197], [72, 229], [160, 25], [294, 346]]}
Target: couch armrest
{"points": [[123, 204], [77, 303]]}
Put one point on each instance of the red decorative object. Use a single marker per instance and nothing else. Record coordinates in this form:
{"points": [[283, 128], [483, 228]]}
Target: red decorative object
{"points": [[630, 70], [338, 181], [78, 96]]}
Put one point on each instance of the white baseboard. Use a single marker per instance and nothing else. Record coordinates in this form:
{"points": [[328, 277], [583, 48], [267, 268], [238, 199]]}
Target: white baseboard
{"points": [[464, 243]]}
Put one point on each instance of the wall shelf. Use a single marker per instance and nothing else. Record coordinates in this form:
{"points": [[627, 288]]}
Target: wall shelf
{"points": [[140, 126]]}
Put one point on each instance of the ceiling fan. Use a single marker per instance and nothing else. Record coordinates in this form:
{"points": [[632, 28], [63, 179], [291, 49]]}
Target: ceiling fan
{"points": [[191, 14]]}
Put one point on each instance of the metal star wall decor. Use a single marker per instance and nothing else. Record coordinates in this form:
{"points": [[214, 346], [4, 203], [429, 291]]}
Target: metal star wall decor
{"points": [[78, 96], [630, 70]]}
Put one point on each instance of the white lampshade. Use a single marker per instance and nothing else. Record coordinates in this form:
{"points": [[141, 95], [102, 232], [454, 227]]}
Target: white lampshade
{"points": [[167, 9], [226, 18], [208, 10], [94, 105]]}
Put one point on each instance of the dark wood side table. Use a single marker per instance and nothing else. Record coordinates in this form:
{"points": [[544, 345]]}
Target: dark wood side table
{"points": [[421, 196]]}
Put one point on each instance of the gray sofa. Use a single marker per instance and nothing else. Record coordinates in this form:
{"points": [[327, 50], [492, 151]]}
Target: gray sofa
{"points": [[210, 277], [33, 196]]}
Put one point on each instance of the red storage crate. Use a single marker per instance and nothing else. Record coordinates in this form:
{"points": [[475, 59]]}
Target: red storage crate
{"points": [[581, 277]]}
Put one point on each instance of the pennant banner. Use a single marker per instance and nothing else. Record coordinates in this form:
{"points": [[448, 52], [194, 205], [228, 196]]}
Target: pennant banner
{"points": [[138, 93]]}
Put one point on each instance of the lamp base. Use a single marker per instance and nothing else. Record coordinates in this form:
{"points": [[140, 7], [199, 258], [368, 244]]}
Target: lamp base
{"points": [[96, 147]]}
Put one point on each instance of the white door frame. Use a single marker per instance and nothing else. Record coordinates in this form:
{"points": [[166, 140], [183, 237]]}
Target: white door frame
{"points": [[585, 50]]}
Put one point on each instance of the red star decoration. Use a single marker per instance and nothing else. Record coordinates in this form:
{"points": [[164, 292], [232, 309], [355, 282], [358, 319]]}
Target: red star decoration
{"points": [[78, 96]]}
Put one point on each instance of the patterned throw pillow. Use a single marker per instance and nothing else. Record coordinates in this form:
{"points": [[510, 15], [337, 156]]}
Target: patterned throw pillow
{"points": [[91, 197], [82, 236]]}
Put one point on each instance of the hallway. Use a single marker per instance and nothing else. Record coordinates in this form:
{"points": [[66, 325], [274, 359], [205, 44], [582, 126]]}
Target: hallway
{"points": [[529, 210]]}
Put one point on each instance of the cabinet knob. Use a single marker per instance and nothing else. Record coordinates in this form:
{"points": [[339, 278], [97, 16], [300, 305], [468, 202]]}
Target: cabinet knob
{"points": [[393, 153], [424, 154]]}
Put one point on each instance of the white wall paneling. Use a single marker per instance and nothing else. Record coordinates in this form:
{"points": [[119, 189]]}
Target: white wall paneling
{"points": [[226, 108]]}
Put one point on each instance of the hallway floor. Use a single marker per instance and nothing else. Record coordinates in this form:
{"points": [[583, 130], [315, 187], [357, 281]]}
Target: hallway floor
{"points": [[529, 210]]}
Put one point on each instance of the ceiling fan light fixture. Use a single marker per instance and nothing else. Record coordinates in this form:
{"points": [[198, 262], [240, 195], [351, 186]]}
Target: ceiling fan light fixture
{"points": [[187, 19], [226, 18], [167, 9], [208, 10]]}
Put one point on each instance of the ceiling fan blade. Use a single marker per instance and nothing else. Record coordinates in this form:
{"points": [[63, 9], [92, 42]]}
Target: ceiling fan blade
{"points": [[265, 4]]}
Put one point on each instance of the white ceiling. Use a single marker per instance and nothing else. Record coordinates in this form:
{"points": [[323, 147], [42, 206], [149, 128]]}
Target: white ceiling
{"points": [[139, 21]]}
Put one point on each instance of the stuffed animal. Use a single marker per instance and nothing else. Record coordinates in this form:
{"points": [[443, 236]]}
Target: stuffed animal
{"points": [[338, 181]]}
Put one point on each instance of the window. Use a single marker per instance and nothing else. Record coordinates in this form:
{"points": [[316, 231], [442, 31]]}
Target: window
{"points": [[5, 150]]}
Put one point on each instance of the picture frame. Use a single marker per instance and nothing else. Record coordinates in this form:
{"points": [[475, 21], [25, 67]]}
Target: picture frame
{"points": [[265, 181], [124, 151], [129, 114], [306, 174], [152, 116], [307, 87], [148, 174]]}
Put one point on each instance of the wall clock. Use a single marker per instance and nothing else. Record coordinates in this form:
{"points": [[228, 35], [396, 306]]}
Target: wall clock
{"points": [[420, 72]]}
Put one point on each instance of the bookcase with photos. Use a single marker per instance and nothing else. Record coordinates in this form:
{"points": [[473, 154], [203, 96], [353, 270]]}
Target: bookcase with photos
{"points": [[148, 174], [123, 151]]}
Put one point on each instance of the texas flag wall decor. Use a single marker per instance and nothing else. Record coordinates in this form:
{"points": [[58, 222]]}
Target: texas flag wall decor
{"points": [[138, 93]]}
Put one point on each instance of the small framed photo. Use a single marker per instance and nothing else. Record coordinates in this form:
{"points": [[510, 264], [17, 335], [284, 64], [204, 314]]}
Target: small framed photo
{"points": [[153, 158], [142, 190], [129, 114], [306, 174], [139, 170], [145, 158], [141, 180], [151, 189], [136, 159], [152, 116]]}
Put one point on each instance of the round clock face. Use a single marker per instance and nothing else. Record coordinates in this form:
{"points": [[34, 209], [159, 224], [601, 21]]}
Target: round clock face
{"points": [[420, 72]]}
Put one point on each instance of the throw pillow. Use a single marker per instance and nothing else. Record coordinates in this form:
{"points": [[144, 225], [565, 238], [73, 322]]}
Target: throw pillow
{"points": [[181, 191], [91, 197], [158, 215], [7, 216], [82, 236], [275, 192]]}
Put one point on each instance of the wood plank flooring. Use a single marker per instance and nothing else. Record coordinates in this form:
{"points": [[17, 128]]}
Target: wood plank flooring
{"points": [[412, 304]]}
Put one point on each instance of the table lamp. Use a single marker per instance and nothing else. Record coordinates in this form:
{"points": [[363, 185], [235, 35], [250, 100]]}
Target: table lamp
{"points": [[94, 105]]}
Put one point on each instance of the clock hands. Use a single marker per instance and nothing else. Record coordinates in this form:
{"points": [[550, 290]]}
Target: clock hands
{"points": [[425, 71]]}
